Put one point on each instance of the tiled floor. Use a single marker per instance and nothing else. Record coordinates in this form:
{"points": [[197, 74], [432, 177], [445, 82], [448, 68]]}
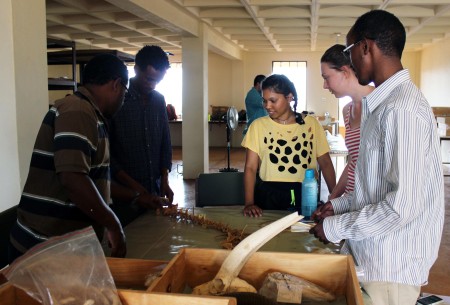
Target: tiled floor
{"points": [[439, 280]]}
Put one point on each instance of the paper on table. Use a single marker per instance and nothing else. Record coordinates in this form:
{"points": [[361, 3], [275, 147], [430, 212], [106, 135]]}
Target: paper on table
{"points": [[301, 227]]}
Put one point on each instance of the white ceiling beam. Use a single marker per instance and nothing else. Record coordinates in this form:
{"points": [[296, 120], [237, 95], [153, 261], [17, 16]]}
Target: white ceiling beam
{"points": [[234, 23], [260, 23], [440, 11], [280, 2], [209, 3], [385, 4], [315, 6], [292, 22], [163, 13]]}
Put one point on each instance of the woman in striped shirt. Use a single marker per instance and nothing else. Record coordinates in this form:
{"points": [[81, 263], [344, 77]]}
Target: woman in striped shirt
{"points": [[340, 80]]}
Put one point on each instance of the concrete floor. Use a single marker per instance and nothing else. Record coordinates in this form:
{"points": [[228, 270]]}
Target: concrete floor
{"points": [[439, 280]]}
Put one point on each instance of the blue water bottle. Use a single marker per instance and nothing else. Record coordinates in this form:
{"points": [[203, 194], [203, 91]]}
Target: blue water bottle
{"points": [[309, 194]]}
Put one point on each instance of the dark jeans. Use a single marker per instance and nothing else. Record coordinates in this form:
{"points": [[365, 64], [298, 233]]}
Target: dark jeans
{"points": [[277, 195]]}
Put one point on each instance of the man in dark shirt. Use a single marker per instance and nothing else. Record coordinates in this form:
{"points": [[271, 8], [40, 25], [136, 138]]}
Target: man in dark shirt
{"points": [[68, 184], [253, 102], [140, 140]]}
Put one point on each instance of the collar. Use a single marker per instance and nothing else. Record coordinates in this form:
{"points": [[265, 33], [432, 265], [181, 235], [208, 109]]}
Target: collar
{"points": [[91, 100], [134, 92], [377, 96]]}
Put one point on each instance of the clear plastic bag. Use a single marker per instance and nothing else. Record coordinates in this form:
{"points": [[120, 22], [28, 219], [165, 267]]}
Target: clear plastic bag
{"points": [[66, 270]]}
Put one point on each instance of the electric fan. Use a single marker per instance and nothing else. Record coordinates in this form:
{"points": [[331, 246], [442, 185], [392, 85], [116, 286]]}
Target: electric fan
{"points": [[232, 119]]}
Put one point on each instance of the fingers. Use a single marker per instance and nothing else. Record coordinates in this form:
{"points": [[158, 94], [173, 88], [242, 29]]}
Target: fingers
{"points": [[150, 201], [319, 233], [169, 197], [167, 192], [118, 252], [252, 211], [116, 241], [322, 212]]}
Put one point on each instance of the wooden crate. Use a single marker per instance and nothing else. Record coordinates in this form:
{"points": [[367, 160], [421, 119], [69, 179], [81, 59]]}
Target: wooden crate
{"points": [[131, 273], [192, 267], [10, 295], [441, 111]]}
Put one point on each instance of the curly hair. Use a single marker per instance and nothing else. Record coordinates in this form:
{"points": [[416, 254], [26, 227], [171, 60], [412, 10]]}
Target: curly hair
{"points": [[384, 28], [153, 56]]}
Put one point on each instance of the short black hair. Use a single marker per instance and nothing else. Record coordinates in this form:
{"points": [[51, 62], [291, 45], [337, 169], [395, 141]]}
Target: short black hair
{"points": [[258, 78], [384, 28], [104, 68], [336, 57], [153, 56]]}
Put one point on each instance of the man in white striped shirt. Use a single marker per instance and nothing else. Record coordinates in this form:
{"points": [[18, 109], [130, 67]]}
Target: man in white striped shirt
{"points": [[392, 222]]}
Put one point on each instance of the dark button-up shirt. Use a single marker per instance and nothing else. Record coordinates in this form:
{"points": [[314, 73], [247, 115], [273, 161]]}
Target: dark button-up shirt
{"points": [[140, 139]]}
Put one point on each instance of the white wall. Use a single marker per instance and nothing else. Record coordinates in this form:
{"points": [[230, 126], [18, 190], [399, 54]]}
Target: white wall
{"points": [[23, 83], [411, 61], [219, 81], [435, 74], [9, 156]]}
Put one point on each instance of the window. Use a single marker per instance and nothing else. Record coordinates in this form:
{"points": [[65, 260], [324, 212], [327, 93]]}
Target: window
{"points": [[296, 72], [170, 86]]}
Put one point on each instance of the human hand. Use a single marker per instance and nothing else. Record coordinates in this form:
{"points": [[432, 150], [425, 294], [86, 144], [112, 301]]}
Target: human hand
{"points": [[116, 241], [166, 192], [151, 201], [252, 210], [319, 233], [322, 212]]}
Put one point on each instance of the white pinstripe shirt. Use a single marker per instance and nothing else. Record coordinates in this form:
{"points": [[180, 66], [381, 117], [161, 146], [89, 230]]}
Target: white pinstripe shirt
{"points": [[393, 221]]}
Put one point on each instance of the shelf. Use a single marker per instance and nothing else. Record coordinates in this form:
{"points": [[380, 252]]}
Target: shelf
{"points": [[59, 44], [83, 56], [62, 83], [74, 57]]}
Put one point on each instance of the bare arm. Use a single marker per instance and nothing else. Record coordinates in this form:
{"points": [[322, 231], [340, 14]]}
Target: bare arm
{"points": [[126, 180], [327, 169], [127, 194], [250, 170], [85, 196], [342, 183], [340, 186]]}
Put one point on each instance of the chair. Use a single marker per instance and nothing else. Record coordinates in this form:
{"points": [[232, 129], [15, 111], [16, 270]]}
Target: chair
{"points": [[219, 189]]}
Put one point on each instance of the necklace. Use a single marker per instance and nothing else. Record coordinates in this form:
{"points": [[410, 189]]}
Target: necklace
{"points": [[284, 121]]}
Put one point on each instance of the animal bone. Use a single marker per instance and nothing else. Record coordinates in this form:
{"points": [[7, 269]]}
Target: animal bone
{"points": [[237, 258]]}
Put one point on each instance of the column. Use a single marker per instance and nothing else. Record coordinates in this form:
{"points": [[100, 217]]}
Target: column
{"points": [[23, 84], [195, 105]]}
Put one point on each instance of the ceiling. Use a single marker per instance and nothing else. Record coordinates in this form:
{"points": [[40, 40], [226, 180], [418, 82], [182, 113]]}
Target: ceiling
{"points": [[246, 25]]}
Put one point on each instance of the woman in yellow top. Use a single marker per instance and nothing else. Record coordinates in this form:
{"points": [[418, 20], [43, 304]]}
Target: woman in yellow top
{"points": [[280, 147]]}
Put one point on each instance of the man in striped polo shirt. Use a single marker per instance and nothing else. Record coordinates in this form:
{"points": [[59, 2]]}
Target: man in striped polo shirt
{"points": [[392, 222], [68, 184]]}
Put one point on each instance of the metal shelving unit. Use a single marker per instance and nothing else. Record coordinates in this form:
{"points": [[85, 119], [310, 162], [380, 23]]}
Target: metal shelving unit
{"points": [[71, 59]]}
